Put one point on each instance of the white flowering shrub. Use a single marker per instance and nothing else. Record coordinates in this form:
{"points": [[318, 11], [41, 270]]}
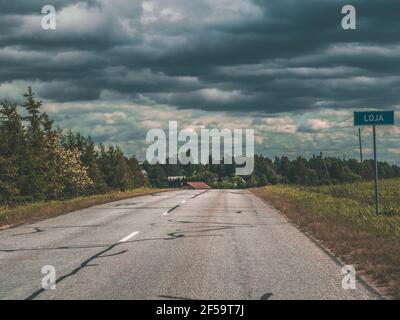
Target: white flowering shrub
{"points": [[72, 173]]}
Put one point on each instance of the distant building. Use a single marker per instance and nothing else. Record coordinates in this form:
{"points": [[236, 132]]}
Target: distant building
{"points": [[197, 185], [174, 178], [176, 181]]}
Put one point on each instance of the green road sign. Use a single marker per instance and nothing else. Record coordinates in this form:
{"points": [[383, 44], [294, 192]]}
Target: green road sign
{"points": [[373, 118]]}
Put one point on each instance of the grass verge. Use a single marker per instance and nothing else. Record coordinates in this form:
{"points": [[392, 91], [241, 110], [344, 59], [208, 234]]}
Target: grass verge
{"points": [[342, 218], [10, 217]]}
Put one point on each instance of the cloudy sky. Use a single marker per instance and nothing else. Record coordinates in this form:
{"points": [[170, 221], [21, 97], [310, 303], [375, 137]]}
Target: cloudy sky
{"points": [[114, 69]]}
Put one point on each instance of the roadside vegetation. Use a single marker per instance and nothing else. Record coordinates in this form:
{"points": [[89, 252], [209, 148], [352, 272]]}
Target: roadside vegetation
{"points": [[342, 217]]}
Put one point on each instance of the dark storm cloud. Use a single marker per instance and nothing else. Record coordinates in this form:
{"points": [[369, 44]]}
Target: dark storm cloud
{"points": [[261, 56]]}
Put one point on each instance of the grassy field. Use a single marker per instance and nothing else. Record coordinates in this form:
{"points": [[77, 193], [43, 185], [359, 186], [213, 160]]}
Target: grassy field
{"points": [[42, 210], [342, 217]]}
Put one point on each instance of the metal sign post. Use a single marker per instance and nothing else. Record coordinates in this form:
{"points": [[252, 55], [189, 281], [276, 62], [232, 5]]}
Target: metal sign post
{"points": [[376, 174], [374, 118]]}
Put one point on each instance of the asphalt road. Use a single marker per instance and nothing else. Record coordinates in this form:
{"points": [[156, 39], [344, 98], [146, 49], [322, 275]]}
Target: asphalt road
{"points": [[221, 244]]}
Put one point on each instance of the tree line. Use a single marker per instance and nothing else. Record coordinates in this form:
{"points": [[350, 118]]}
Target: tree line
{"points": [[318, 170], [41, 162]]}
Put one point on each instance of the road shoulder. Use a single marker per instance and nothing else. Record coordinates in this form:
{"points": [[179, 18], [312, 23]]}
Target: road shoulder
{"points": [[30, 213], [300, 219]]}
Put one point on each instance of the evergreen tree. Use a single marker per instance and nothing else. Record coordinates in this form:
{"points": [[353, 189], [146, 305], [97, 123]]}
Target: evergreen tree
{"points": [[34, 178]]}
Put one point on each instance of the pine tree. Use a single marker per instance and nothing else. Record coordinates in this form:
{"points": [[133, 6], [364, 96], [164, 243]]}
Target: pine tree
{"points": [[34, 169], [89, 159], [11, 148], [139, 178], [115, 169]]}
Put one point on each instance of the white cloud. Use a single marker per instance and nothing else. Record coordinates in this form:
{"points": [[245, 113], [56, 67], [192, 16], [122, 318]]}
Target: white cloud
{"points": [[217, 95], [79, 18], [318, 124]]}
